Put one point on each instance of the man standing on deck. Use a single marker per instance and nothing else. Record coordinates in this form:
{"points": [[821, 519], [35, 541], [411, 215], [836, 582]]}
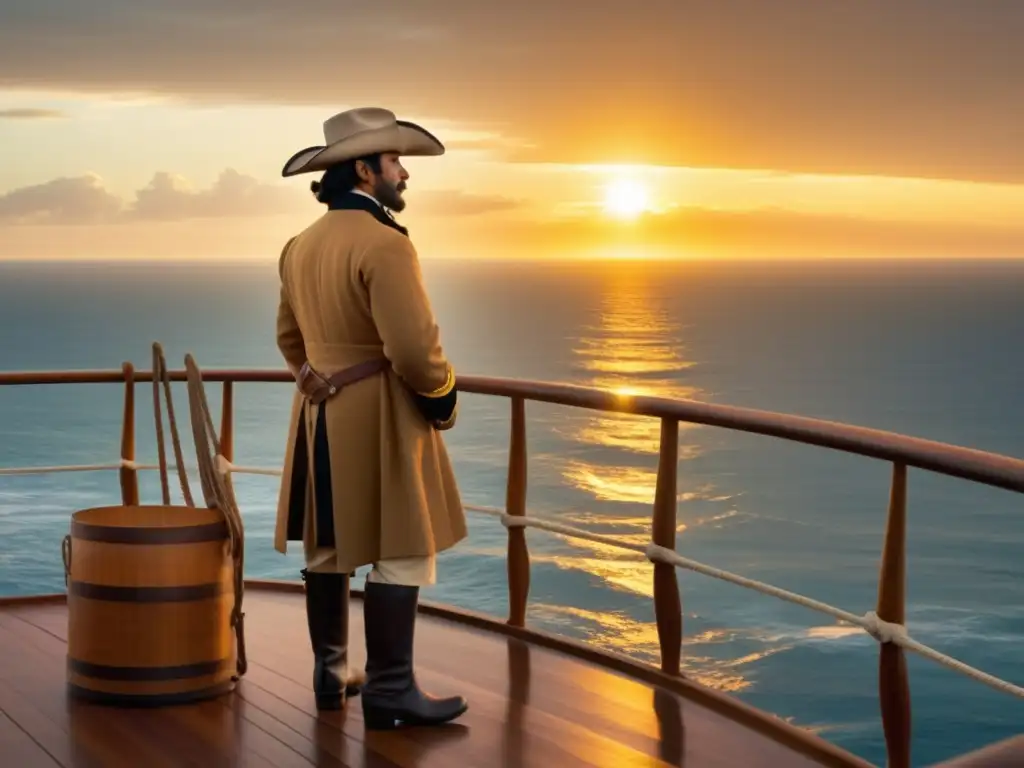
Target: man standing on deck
{"points": [[367, 479]]}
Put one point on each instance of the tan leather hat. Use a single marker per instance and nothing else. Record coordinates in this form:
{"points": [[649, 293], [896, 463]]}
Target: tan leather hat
{"points": [[360, 132]]}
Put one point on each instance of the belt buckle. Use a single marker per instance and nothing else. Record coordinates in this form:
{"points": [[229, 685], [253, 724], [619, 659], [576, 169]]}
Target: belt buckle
{"points": [[331, 388], [324, 384]]}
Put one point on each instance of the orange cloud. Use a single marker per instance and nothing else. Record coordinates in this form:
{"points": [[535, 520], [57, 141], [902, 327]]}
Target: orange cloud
{"points": [[683, 233], [860, 88], [761, 233], [31, 113], [454, 202]]}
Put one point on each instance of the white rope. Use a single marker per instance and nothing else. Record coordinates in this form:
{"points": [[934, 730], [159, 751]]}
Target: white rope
{"points": [[522, 521], [226, 467], [882, 631], [64, 468], [223, 465], [122, 464]]}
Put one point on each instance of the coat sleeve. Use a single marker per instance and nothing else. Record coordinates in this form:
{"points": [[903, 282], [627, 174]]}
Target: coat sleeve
{"points": [[405, 321], [289, 337]]}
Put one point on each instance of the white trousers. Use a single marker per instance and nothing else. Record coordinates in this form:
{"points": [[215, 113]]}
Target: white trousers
{"points": [[406, 571]]}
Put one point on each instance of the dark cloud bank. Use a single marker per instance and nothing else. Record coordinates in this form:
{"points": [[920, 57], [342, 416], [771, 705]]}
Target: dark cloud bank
{"points": [[929, 88]]}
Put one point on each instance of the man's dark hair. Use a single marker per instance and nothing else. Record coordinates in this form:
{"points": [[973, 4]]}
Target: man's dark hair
{"points": [[341, 178]]}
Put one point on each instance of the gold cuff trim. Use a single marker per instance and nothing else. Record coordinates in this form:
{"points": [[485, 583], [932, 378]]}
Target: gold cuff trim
{"points": [[444, 389], [449, 422]]}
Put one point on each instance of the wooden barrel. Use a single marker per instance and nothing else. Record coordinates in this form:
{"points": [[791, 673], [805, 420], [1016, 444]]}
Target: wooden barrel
{"points": [[150, 594]]}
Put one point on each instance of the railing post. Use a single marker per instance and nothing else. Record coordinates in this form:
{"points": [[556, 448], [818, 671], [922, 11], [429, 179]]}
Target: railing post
{"points": [[515, 505], [227, 432], [129, 476], [668, 609], [893, 683]]}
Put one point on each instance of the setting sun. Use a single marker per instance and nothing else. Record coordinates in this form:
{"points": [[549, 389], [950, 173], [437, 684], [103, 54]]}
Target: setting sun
{"points": [[625, 199]]}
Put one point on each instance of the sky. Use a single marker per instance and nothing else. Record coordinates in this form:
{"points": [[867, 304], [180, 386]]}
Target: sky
{"points": [[738, 128]]}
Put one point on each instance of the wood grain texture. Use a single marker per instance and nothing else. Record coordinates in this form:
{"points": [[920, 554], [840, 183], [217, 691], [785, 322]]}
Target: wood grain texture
{"points": [[149, 622], [129, 476], [668, 608], [529, 706], [1003, 754], [966, 463], [518, 559], [893, 680]]}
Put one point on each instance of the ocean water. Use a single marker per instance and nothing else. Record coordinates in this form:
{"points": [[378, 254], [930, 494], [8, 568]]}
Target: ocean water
{"points": [[929, 349]]}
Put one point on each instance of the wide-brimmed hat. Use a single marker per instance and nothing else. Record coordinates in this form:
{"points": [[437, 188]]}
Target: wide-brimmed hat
{"points": [[360, 132]]}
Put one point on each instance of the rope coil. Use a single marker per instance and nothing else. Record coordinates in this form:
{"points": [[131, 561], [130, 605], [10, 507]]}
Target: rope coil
{"points": [[161, 376], [217, 491], [219, 494]]}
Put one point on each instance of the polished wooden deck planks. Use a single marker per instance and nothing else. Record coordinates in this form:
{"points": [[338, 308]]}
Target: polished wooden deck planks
{"points": [[528, 707]]}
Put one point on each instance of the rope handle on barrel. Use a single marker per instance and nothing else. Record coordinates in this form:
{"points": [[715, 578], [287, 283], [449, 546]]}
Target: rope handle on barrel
{"points": [[65, 553], [219, 494]]}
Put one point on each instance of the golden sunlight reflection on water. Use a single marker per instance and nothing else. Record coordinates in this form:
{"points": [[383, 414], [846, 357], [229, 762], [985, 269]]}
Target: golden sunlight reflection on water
{"points": [[622, 634], [634, 348]]}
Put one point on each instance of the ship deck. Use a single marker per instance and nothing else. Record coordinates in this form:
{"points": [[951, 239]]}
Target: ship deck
{"points": [[530, 705]]}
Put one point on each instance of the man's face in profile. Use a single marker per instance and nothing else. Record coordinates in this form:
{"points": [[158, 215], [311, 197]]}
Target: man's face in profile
{"points": [[390, 183]]}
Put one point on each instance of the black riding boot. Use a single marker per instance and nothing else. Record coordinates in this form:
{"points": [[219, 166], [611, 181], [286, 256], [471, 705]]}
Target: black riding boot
{"points": [[390, 694], [327, 615]]}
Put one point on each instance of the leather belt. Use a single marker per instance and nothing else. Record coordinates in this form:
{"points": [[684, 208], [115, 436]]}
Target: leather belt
{"points": [[317, 388]]}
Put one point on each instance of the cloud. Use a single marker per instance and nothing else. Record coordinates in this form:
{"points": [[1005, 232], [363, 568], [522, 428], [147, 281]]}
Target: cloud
{"points": [[474, 145], [762, 233], [917, 88], [79, 200], [31, 113], [457, 203], [168, 197], [84, 200], [691, 232]]}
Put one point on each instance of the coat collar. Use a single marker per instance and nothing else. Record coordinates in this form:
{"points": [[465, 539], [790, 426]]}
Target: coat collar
{"points": [[350, 201]]}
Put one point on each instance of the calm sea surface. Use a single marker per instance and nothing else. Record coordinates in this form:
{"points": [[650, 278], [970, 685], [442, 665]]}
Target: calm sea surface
{"points": [[928, 349]]}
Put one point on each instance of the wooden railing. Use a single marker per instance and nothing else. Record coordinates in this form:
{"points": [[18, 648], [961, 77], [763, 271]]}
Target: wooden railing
{"points": [[901, 451]]}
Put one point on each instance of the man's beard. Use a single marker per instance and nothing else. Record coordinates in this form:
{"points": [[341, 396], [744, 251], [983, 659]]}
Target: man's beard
{"points": [[388, 195]]}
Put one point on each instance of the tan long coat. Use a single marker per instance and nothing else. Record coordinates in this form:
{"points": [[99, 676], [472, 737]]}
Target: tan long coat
{"points": [[351, 290]]}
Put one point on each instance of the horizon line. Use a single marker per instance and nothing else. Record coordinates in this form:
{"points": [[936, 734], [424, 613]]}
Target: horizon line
{"points": [[575, 260]]}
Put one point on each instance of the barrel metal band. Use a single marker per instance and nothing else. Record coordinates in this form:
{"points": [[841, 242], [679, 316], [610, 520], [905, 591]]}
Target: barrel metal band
{"points": [[149, 700], [119, 594], [190, 534], [148, 674]]}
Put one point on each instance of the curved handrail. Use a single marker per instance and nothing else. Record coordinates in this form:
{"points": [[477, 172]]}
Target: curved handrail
{"points": [[885, 623], [984, 467]]}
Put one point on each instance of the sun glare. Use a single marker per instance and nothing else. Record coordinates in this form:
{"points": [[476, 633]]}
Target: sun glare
{"points": [[625, 199]]}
